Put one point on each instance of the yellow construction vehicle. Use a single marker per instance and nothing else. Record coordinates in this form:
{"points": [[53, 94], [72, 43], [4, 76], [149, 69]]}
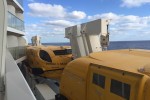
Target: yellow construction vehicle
{"points": [[107, 75], [48, 61], [94, 74]]}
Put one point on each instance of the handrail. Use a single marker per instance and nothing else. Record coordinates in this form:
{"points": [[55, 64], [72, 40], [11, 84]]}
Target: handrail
{"points": [[15, 16], [15, 22], [17, 52], [16, 86]]}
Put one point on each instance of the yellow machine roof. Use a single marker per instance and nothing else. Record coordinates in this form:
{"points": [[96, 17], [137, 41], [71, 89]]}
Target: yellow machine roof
{"points": [[124, 60], [128, 60], [49, 47]]}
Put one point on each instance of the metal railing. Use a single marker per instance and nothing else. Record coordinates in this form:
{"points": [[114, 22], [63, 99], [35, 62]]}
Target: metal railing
{"points": [[20, 2], [15, 22], [16, 86], [18, 52]]}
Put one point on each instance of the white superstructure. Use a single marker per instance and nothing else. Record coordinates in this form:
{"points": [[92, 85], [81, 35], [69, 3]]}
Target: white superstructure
{"points": [[3, 25], [36, 40], [88, 37], [15, 28], [15, 23], [13, 85]]}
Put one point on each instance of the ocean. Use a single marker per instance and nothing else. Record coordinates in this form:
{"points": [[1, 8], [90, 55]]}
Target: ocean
{"points": [[117, 45]]}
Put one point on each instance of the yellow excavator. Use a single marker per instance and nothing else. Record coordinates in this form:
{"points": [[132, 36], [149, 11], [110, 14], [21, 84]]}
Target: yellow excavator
{"points": [[48, 61], [95, 73], [107, 75]]}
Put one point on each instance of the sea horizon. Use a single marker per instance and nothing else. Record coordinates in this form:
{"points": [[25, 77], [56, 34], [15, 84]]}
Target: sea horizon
{"points": [[114, 45], [109, 41]]}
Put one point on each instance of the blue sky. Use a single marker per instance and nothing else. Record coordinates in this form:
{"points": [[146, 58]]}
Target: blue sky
{"points": [[130, 19]]}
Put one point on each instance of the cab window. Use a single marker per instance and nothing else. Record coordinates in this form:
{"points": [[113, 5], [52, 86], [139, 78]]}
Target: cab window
{"points": [[45, 56], [63, 52], [99, 80], [120, 89]]}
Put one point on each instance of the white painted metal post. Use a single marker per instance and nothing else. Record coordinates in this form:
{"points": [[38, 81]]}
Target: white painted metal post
{"points": [[3, 33], [77, 44]]}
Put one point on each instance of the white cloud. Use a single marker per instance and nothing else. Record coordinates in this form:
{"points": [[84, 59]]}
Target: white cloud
{"points": [[77, 15], [48, 30], [54, 19], [33, 25], [126, 25], [57, 18], [61, 23], [54, 11], [104, 15], [134, 3], [46, 10]]}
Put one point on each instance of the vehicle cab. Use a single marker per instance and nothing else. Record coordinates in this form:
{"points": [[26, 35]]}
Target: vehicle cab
{"points": [[48, 61], [108, 75]]}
